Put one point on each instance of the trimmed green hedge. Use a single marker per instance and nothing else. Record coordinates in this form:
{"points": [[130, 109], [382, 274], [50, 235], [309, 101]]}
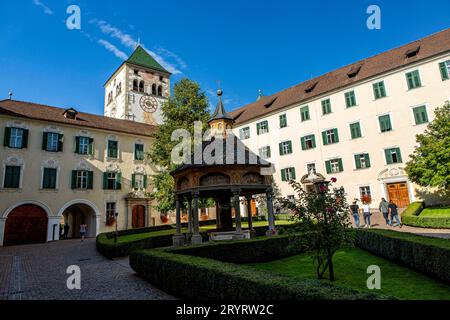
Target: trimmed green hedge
{"points": [[199, 278], [429, 256], [123, 248], [411, 217], [245, 251]]}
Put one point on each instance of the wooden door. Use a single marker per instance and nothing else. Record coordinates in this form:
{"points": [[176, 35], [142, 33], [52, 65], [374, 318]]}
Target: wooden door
{"points": [[138, 217], [26, 224], [398, 193]]}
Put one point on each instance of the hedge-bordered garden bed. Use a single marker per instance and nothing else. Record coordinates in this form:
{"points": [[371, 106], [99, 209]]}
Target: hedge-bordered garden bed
{"points": [[430, 256], [411, 217], [199, 278]]}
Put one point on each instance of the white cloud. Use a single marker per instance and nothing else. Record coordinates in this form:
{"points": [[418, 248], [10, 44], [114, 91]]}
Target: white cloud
{"points": [[164, 52], [46, 9], [129, 42], [112, 48]]}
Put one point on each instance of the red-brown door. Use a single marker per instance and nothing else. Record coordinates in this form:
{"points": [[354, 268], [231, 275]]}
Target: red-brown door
{"points": [[26, 224], [398, 193], [138, 217]]}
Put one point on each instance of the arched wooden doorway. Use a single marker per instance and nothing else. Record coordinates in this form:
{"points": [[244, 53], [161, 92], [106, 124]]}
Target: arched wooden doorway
{"points": [[26, 224], [138, 220]]}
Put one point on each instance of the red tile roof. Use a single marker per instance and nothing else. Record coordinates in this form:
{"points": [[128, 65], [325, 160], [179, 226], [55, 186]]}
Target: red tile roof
{"points": [[87, 120], [430, 46]]}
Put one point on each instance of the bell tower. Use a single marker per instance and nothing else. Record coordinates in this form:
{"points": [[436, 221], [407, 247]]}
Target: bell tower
{"points": [[137, 89]]}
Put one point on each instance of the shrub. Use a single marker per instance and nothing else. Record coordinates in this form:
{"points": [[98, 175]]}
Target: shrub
{"points": [[245, 251], [411, 217], [205, 279], [430, 256], [110, 235]]}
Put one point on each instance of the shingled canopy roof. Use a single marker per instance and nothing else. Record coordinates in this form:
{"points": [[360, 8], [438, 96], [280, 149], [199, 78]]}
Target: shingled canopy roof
{"points": [[228, 159], [430, 46], [28, 110]]}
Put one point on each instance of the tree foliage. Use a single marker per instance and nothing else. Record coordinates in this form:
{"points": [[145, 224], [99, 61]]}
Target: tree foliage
{"points": [[324, 221], [186, 105], [430, 163]]}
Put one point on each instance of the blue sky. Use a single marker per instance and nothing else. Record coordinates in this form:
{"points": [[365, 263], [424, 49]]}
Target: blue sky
{"points": [[247, 45]]}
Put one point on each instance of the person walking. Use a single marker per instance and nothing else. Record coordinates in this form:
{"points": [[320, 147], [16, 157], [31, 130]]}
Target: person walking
{"points": [[394, 214], [83, 228], [366, 215], [384, 209], [66, 230], [354, 210]]}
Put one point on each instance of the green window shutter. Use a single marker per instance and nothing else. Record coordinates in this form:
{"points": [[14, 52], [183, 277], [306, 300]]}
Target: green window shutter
{"points": [[133, 181], [90, 180], [74, 179], [268, 152], [444, 71], [25, 139], [293, 174], [145, 181], [105, 180], [357, 161], [385, 123], [283, 174], [60, 142], [336, 135], [324, 137], [341, 166], [118, 181], [388, 155], [281, 149], [258, 128], [91, 146], [367, 158], [289, 146], [77, 145], [420, 115], [7, 137], [44, 141], [303, 143], [417, 80], [313, 138], [328, 166], [49, 181], [399, 155]]}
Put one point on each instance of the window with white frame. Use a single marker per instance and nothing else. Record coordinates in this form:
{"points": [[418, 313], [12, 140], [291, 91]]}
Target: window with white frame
{"points": [[83, 145], [16, 138], [52, 141], [82, 179], [311, 167], [244, 133], [139, 181], [264, 152], [335, 166], [365, 191]]}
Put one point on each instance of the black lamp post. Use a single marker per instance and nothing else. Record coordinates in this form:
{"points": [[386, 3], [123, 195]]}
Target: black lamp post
{"points": [[116, 235]]}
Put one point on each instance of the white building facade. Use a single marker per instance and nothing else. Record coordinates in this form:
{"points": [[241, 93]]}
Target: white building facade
{"points": [[357, 124]]}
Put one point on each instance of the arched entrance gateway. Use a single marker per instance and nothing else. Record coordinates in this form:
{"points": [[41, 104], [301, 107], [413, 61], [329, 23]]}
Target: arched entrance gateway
{"points": [[231, 174], [79, 213], [26, 224]]}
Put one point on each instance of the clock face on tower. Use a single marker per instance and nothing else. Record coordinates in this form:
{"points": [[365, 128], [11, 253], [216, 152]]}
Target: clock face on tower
{"points": [[148, 104]]}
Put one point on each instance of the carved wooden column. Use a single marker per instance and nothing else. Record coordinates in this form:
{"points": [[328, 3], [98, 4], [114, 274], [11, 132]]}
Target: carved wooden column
{"points": [[250, 217], [237, 209], [272, 231], [196, 237], [178, 238]]}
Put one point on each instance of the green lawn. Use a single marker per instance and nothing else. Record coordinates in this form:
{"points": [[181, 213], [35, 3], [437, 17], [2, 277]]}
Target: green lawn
{"points": [[436, 212], [350, 269]]}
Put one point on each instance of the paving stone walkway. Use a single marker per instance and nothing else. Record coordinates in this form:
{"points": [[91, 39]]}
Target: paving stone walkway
{"points": [[378, 222], [38, 272]]}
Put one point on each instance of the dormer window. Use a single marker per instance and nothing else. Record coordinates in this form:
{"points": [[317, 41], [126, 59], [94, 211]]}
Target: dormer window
{"points": [[70, 114], [412, 52], [269, 104], [311, 87], [353, 72]]}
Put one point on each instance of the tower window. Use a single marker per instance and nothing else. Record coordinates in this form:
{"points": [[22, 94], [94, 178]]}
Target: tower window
{"points": [[141, 86], [135, 85], [154, 89], [160, 91]]}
